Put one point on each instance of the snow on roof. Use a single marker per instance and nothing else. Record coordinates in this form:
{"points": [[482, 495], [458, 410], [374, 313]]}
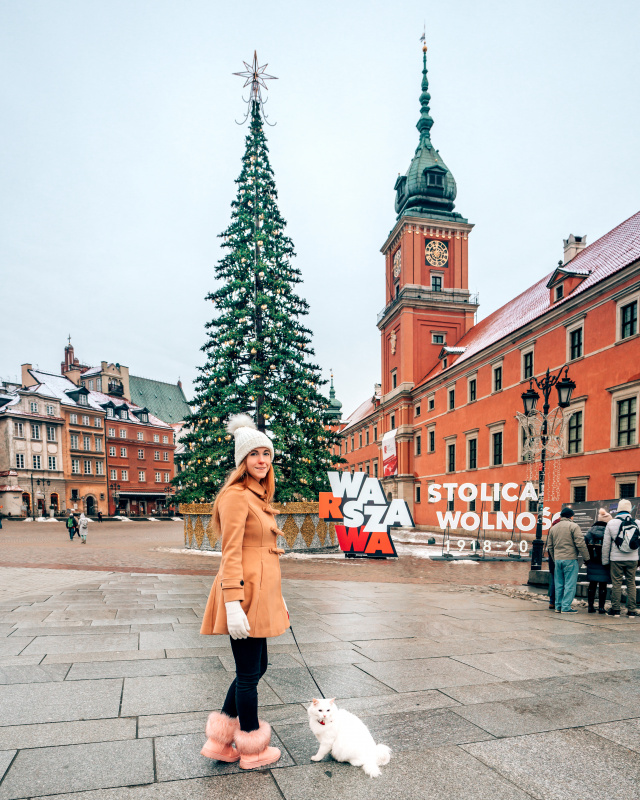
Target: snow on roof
{"points": [[363, 411], [91, 371]]}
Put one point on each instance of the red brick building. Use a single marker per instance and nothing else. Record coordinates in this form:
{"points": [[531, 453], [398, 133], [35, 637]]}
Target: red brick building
{"points": [[451, 388]]}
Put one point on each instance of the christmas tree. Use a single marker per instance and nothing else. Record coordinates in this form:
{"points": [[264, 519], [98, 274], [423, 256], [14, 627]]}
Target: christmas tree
{"points": [[257, 349]]}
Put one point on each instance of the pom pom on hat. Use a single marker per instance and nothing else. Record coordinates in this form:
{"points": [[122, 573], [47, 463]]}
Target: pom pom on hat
{"points": [[603, 515], [247, 437]]}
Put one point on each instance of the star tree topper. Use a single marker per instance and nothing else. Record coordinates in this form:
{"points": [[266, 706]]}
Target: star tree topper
{"points": [[255, 76]]}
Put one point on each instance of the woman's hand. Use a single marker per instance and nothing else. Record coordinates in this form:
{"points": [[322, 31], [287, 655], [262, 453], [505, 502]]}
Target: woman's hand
{"points": [[237, 622]]}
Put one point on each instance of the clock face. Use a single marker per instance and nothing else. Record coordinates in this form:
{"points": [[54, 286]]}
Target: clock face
{"points": [[397, 263], [436, 254]]}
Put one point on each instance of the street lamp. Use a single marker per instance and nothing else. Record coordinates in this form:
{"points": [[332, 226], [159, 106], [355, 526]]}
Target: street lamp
{"points": [[565, 387], [115, 488]]}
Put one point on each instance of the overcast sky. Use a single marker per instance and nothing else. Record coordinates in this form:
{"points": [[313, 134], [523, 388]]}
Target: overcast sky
{"points": [[119, 148]]}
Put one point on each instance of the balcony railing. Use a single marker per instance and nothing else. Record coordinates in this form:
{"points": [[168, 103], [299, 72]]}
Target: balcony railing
{"points": [[444, 296], [117, 389]]}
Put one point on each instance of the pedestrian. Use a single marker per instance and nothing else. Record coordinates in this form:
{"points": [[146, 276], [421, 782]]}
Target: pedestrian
{"points": [[246, 600], [99, 515], [83, 527], [598, 574], [552, 567], [618, 550], [565, 543], [71, 525]]}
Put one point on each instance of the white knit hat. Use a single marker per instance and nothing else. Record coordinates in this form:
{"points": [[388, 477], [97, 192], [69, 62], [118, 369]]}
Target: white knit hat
{"points": [[247, 437], [624, 505]]}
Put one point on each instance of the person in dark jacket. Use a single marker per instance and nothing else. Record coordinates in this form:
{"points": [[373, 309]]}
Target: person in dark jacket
{"points": [[597, 572], [552, 568]]}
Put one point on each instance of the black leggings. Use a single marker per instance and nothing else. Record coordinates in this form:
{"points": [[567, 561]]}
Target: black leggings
{"points": [[242, 698], [602, 593]]}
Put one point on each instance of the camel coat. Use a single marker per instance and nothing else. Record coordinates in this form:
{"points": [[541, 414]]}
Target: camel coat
{"points": [[250, 566]]}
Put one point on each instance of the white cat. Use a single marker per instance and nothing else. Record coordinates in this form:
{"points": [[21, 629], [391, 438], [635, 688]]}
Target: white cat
{"points": [[346, 737]]}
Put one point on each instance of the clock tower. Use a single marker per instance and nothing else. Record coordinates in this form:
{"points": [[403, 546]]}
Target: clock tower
{"points": [[428, 304]]}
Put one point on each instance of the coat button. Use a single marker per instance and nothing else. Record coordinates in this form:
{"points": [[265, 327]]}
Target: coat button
{"points": [[241, 583]]}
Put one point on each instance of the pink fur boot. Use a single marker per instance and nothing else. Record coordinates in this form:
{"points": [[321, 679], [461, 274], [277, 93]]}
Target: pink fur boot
{"points": [[254, 749], [221, 730]]}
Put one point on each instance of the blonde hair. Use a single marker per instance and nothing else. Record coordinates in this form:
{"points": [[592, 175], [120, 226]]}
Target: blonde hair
{"points": [[241, 475]]}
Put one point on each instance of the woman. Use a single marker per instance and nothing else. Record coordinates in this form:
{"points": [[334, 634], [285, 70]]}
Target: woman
{"points": [[246, 601], [597, 573], [83, 527]]}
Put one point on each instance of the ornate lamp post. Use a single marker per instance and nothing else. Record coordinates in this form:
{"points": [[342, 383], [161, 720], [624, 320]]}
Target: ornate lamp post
{"points": [[115, 488], [565, 387]]}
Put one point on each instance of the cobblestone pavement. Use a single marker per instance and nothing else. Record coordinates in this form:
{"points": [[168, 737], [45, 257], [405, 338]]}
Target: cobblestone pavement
{"points": [[105, 686], [145, 546]]}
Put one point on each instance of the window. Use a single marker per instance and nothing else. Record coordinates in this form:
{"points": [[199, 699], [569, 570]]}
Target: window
{"points": [[497, 379], [626, 422], [112, 452], [165, 440], [444, 363], [626, 490], [35, 431], [450, 505], [19, 460], [165, 455], [158, 477], [52, 462], [375, 469], [375, 433], [86, 420], [473, 453], [75, 466], [99, 468], [431, 403], [394, 379], [496, 494], [156, 437], [124, 474], [575, 434], [167, 475], [142, 476], [156, 455], [18, 430], [417, 412], [140, 436], [527, 365], [392, 420], [497, 448], [91, 385], [575, 346], [73, 419], [437, 338], [87, 466], [560, 291], [451, 458], [98, 444], [99, 384], [432, 441], [37, 462], [436, 283], [418, 445], [140, 454], [74, 439], [86, 443], [418, 493], [113, 474], [353, 443], [472, 505], [112, 431], [51, 411], [97, 422], [51, 433], [366, 438], [34, 408], [473, 390], [82, 400], [452, 399], [110, 413], [435, 179], [629, 320], [123, 413], [123, 452], [579, 494], [123, 433]]}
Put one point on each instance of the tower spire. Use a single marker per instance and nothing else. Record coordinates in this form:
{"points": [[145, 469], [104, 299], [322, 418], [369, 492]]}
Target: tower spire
{"points": [[425, 122]]}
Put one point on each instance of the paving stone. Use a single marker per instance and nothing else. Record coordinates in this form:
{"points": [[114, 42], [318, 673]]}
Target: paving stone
{"points": [[33, 674], [78, 768], [81, 643], [542, 713], [24, 703], [143, 668], [297, 686], [276, 661], [6, 757], [564, 765], [106, 655], [22, 737], [178, 693], [486, 693], [448, 773], [517, 665], [12, 646], [20, 661], [625, 733], [320, 658], [80, 629], [426, 673], [395, 703], [180, 640], [258, 785]]}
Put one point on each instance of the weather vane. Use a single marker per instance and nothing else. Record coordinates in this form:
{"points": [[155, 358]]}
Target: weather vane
{"points": [[255, 77]]}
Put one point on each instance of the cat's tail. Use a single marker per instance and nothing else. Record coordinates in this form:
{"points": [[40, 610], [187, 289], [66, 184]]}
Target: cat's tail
{"points": [[383, 754]]}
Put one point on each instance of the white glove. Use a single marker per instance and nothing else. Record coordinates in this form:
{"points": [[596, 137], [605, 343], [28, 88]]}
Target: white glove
{"points": [[285, 606], [237, 622]]}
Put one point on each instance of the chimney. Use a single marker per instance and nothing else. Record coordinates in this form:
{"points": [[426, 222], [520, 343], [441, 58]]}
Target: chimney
{"points": [[572, 246], [27, 378], [179, 383]]}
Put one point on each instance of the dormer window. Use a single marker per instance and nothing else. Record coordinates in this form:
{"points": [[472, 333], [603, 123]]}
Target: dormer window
{"points": [[143, 416], [124, 414], [435, 179], [82, 400], [110, 412], [559, 291]]}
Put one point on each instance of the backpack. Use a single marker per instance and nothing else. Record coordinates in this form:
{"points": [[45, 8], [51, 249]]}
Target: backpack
{"points": [[70, 523], [628, 537]]}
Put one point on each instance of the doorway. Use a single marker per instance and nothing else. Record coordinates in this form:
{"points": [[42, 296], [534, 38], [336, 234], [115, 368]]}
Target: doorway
{"points": [[91, 505]]}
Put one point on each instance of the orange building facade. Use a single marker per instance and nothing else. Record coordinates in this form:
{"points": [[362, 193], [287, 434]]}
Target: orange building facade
{"points": [[450, 387]]}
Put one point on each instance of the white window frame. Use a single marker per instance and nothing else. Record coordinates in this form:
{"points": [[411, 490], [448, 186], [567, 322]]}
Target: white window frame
{"points": [[156, 453], [436, 273], [632, 297], [74, 441], [112, 452], [624, 393], [123, 452], [51, 433], [167, 475], [51, 411], [629, 477], [472, 377], [73, 419], [99, 467], [141, 455], [140, 436], [97, 422], [86, 420], [124, 474], [417, 443], [33, 407], [578, 482], [474, 433], [18, 430], [494, 366], [98, 444], [35, 432], [417, 494], [156, 437], [142, 476], [51, 460], [165, 455], [123, 433], [158, 477], [87, 467], [75, 466], [83, 400], [111, 432], [113, 474], [86, 440], [431, 402], [439, 333], [19, 460], [431, 429], [165, 440], [576, 405], [530, 349], [496, 427]]}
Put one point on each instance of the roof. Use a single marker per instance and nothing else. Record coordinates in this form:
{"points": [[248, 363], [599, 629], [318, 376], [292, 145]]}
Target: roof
{"points": [[362, 412], [166, 400], [606, 256]]}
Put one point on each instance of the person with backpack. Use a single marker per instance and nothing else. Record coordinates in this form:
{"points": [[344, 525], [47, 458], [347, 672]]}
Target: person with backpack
{"points": [[565, 543], [620, 549], [71, 525], [598, 575]]}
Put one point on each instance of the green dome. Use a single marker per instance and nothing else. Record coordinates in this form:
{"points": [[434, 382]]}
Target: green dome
{"points": [[428, 189], [335, 406]]}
